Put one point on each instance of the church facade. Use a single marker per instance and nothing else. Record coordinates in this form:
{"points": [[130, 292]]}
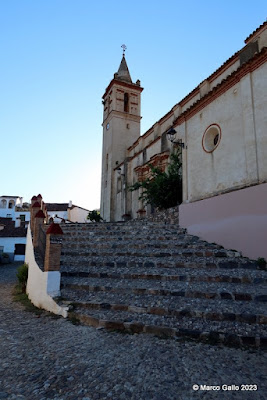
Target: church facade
{"points": [[222, 126]]}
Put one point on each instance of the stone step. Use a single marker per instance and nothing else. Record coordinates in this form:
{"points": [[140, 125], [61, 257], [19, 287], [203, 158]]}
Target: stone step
{"points": [[80, 243], [120, 224], [150, 241], [226, 332], [121, 236], [221, 310], [155, 278], [121, 227], [147, 252], [160, 262], [171, 274], [212, 290]]}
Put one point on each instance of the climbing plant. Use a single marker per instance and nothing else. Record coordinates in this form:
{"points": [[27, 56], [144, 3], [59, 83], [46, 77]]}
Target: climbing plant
{"points": [[162, 189]]}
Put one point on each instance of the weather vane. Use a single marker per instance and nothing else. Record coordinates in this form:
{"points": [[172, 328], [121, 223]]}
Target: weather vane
{"points": [[123, 49]]}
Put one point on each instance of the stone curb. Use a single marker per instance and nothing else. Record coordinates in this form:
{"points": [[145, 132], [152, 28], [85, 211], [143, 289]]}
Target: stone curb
{"points": [[213, 316], [213, 337], [159, 264], [181, 278], [166, 292]]}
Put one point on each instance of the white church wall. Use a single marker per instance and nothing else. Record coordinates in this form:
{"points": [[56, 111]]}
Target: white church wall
{"points": [[260, 106], [226, 166]]}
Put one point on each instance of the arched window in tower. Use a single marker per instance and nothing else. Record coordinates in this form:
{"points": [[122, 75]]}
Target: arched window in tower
{"points": [[126, 102]]}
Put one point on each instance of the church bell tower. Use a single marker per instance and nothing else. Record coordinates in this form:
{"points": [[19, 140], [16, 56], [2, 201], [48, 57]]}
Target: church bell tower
{"points": [[121, 128]]}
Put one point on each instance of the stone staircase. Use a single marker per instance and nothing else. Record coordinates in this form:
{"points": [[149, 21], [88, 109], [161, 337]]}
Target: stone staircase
{"points": [[152, 277]]}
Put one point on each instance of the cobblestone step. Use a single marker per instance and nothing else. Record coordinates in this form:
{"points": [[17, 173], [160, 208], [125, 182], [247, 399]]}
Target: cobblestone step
{"points": [[172, 274], [122, 227], [212, 290], [80, 243], [170, 326], [141, 253], [221, 310], [160, 262], [155, 278]]}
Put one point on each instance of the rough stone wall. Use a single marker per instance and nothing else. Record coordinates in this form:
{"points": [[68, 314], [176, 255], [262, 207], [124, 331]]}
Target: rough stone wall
{"points": [[169, 216]]}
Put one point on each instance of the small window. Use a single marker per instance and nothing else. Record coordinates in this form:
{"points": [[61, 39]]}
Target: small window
{"points": [[126, 102], [144, 156], [211, 138], [11, 204], [22, 217], [20, 249]]}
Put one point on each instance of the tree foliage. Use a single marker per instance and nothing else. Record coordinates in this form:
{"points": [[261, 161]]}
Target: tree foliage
{"points": [[162, 189]]}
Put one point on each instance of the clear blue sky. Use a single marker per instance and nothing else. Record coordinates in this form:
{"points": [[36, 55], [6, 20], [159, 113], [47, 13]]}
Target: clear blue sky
{"points": [[57, 58]]}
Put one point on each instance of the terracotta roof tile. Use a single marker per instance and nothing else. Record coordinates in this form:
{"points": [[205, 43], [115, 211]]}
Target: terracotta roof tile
{"points": [[40, 214], [256, 30]]}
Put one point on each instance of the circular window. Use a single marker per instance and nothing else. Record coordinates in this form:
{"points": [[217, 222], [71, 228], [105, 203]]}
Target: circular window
{"points": [[211, 138]]}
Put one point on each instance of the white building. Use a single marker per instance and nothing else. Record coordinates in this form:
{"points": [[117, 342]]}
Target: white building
{"points": [[66, 211], [14, 208], [12, 239], [14, 219]]}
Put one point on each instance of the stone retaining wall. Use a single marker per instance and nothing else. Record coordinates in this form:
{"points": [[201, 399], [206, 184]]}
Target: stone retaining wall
{"points": [[169, 216]]}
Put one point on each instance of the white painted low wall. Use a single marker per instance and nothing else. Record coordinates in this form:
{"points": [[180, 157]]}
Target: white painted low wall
{"points": [[236, 220], [42, 286]]}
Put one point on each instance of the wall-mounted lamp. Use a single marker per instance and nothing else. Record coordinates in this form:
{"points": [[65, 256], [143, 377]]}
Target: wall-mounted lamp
{"points": [[119, 172], [171, 134]]}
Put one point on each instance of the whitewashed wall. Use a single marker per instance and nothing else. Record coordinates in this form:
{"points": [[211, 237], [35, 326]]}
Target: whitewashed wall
{"points": [[78, 214], [9, 245], [42, 286]]}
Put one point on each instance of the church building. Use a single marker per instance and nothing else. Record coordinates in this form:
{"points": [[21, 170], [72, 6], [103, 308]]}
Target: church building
{"points": [[220, 127]]}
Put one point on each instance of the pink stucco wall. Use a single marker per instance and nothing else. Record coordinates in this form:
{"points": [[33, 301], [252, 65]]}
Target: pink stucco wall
{"points": [[236, 220]]}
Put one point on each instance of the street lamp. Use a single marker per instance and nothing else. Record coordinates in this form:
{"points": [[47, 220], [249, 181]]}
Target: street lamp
{"points": [[119, 172], [171, 133]]}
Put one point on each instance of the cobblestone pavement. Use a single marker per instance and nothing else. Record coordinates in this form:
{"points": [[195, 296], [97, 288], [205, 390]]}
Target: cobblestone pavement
{"points": [[46, 358]]}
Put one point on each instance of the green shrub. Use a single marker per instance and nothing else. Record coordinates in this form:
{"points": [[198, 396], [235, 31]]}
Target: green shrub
{"points": [[162, 189], [22, 276], [94, 216]]}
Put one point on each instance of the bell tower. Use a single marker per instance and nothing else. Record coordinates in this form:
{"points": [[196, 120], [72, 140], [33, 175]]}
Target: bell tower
{"points": [[121, 128]]}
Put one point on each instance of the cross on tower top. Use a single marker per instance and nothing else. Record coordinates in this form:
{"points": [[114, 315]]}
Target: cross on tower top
{"points": [[123, 49]]}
